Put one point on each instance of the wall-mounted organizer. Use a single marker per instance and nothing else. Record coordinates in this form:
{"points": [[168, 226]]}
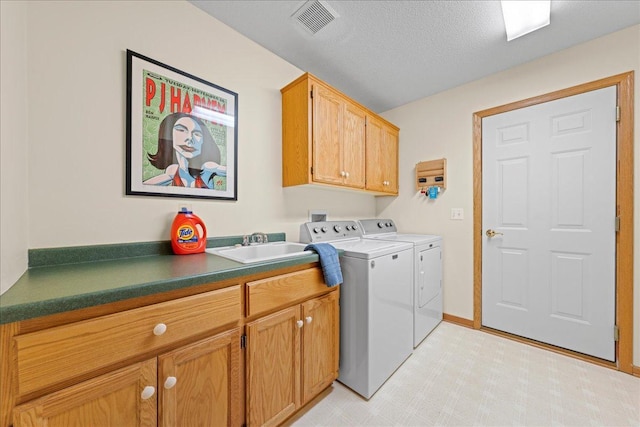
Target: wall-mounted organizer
{"points": [[431, 174]]}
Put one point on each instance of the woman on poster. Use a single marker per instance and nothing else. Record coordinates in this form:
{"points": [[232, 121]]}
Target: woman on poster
{"points": [[186, 152]]}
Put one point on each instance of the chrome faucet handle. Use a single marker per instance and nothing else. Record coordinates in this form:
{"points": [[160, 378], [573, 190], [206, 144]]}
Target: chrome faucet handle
{"points": [[245, 240], [258, 237]]}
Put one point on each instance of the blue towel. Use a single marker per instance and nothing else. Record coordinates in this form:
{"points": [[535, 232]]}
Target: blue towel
{"points": [[329, 262]]}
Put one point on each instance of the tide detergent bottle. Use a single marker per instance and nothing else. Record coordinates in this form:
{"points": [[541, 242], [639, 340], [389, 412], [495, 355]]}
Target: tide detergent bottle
{"points": [[188, 233]]}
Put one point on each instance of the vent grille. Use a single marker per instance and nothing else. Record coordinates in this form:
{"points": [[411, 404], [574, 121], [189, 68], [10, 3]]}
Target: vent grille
{"points": [[314, 15]]}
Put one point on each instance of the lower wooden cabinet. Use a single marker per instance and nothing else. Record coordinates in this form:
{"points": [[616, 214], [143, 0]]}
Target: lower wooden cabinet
{"points": [[292, 355], [180, 362], [114, 399], [198, 384], [320, 344]]}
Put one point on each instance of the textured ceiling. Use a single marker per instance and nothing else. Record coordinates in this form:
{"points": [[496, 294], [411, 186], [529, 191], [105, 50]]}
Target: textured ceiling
{"points": [[385, 54]]}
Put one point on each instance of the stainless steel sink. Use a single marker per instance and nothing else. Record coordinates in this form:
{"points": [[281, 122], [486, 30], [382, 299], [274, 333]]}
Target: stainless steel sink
{"points": [[261, 252]]}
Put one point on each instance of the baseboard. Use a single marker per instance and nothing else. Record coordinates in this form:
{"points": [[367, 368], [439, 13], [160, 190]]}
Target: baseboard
{"points": [[457, 320], [635, 371]]}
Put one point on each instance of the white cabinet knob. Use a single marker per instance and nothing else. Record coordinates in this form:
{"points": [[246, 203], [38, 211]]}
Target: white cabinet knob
{"points": [[308, 319], [170, 382], [160, 329], [147, 392], [346, 174], [299, 323], [342, 173]]}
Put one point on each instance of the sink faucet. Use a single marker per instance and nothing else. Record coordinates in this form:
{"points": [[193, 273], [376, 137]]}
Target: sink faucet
{"points": [[254, 238], [258, 238]]}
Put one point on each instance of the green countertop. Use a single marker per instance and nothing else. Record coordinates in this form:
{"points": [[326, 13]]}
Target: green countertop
{"points": [[51, 289]]}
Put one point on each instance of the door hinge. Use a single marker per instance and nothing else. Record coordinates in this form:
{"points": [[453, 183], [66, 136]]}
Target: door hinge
{"points": [[243, 341], [617, 113], [311, 93], [617, 224], [616, 333], [311, 170]]}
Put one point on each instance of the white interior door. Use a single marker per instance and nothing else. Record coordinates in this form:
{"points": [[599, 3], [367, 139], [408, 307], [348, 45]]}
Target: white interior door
{"points": [[549, 193]]}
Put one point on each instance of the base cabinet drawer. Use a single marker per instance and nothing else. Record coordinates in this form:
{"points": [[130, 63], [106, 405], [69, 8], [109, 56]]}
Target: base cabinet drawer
{"points": [[56, 355], [279, 291]]}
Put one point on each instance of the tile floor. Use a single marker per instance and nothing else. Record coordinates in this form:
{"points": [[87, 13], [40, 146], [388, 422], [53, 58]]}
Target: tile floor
{"points": [[464, 377]]}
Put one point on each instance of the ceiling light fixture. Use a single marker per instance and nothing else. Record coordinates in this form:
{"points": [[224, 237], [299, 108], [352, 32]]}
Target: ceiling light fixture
{"points": [[522, 17]]}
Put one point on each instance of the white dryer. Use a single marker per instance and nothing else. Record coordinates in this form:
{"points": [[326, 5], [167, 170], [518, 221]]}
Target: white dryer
{"points": [[427, 272], [376, 303]]}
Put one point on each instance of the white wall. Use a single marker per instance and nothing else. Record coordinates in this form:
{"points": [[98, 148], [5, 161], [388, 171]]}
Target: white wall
{"points": [[441, 126], [77, 81], [14, 230]]}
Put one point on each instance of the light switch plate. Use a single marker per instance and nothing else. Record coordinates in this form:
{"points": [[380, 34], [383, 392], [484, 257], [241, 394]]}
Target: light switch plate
{"points": [[457, 213]]}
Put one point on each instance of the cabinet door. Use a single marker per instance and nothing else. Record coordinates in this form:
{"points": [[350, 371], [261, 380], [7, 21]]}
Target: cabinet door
{"points": [[390, 157], [199, 384], [327, 136], [114, 399], [353, 154], [320, 344], [375, 162], [381, 157], [273, 367]]}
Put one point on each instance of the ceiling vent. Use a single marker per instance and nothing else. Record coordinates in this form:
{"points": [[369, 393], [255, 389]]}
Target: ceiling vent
{"points": [[314, 15]]}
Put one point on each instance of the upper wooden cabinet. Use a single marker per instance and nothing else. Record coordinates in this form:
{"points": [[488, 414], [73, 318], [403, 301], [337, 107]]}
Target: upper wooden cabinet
{"points": [[382, 157], [325, 139]]}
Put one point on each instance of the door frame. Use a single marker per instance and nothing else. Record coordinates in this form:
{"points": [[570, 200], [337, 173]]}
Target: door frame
{"points": [[624, 207]]}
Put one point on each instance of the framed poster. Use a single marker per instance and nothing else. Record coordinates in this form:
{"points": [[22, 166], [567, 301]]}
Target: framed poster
{"points": [[182, 133]]}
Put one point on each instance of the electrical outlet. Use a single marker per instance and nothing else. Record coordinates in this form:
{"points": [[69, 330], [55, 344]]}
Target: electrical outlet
{"points": [[457, 213]]}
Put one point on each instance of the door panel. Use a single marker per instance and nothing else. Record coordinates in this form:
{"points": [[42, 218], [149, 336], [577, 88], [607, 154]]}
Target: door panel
{"points": [[320, 344], [273, 367], [354, 145], [207, 383], [113, 399], [430, 278], [327, 134], [549, 185]]}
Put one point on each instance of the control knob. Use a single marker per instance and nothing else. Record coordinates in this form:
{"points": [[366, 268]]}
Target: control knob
{"points": [[337, 228], [316, 230], [381, 225], [324, 229]]}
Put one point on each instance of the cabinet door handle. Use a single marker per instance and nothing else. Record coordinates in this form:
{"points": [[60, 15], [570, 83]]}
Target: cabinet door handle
{"points": [[160, 329], [147, 392], [308, 319], [170, 382], [299, 323]]}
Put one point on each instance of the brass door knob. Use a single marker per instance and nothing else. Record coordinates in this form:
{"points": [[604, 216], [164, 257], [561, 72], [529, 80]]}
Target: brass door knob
{"points": [[491, 233]]}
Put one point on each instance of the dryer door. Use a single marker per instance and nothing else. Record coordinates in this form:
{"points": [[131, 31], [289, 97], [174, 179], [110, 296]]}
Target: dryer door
{"points": [[429, 274]]}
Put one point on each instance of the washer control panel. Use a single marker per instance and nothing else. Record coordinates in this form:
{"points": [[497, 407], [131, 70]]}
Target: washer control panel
{"points": [[376, 226], [326, 231]]}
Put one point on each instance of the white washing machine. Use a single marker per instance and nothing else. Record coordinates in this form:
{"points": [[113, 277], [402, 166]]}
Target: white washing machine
{"points": [[427, 267], [376, 303]]}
